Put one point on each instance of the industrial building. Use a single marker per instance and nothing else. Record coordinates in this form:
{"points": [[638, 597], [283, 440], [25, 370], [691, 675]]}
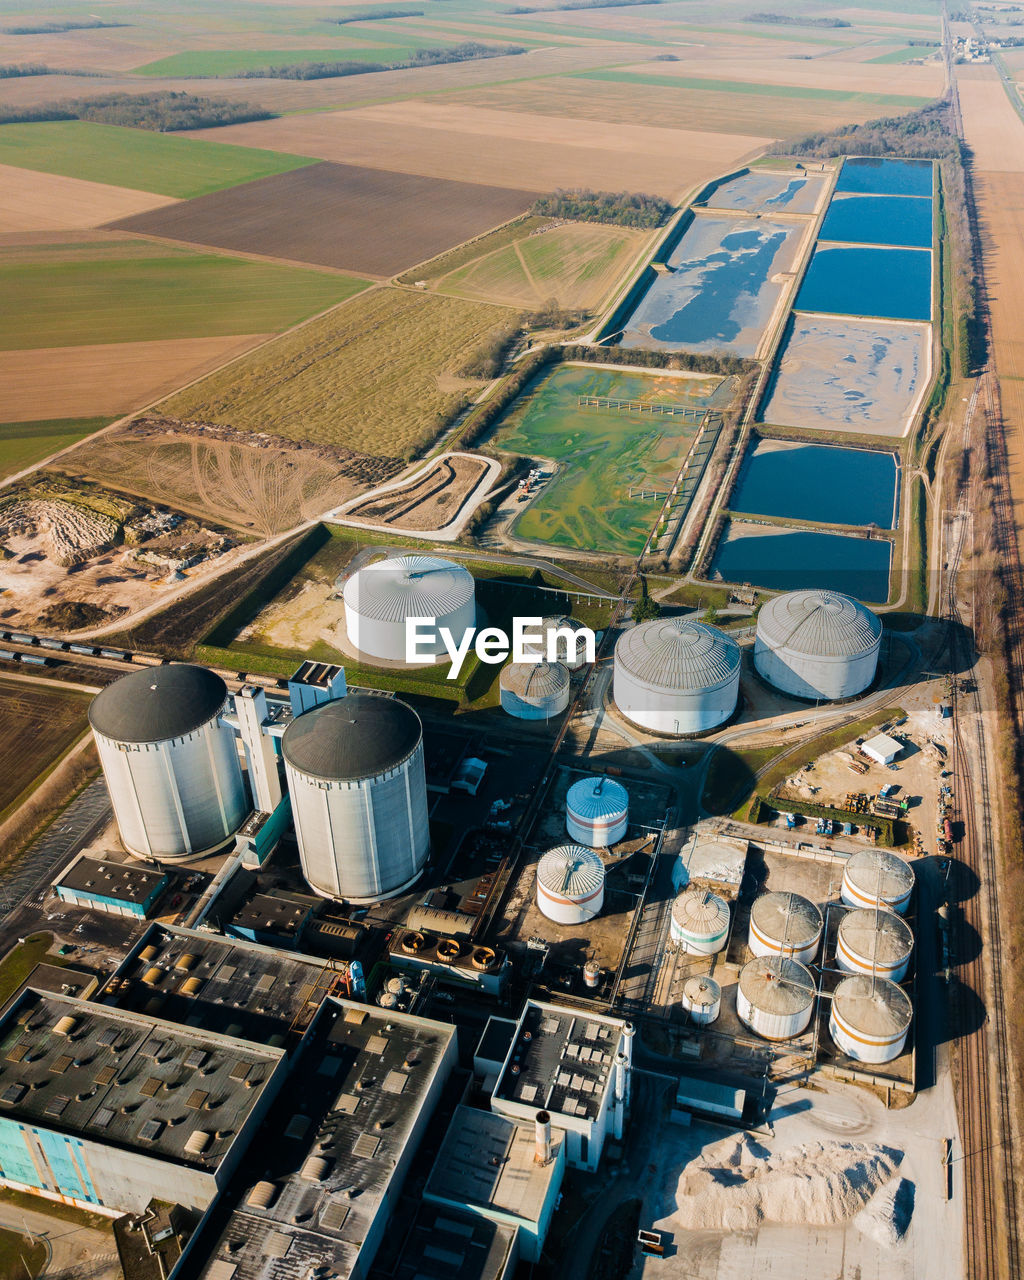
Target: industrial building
{"points": [[381, 596], [870, 1018], [785, 924], [448, 1245], [819, 645], [534, 690], [123, 889], [875, 878], [170, 762], [574, 1066], [359, 796], [279, 919], [464, 963], [882, 749], [597, 812], [775, 997], [570, 884], [107, 1109], [321, 1191], [676, 677]]}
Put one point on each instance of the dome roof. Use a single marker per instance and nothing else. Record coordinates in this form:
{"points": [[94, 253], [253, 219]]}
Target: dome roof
{"points": [[701, 992], [571, 870], [880, 875], [700, 913], [358, 736], [776, 984], [535, 679], [592, 798], [786, 917], [408, 587], [158, 703], [820, 624], [875, 1006], [876, 934], [675, 653]]}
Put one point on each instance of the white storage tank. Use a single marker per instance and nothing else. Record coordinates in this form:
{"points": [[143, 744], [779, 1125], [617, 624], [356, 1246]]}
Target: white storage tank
{"points": [[171, 765], [875, 878], [702, 999], [359, 796], [699, 922], [816, 644], [874, 941], [775, 997], [597, 812], [870, 1018], [380, 596], [675, 676], [534, 690], [570, 884], [785, 924], [564, 633]]}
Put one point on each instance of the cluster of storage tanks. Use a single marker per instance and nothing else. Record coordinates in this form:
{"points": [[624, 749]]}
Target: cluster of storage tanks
{"points": [[775, 997], [570, 878], [677, 677]]}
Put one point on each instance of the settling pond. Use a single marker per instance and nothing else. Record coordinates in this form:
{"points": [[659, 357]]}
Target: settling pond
{"points": [[889, 220], [871, 176], [893, 284], [789, 559], [818, 482], [762, 191]]}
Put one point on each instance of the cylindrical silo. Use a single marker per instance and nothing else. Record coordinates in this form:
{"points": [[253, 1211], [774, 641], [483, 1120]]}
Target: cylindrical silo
{"points": [[785, 924], [816, 644], [874, 878], [534, 690], [699, 922], [702, 1000], [570, 884], [381, 596], [775, 997], [563, 636], [597, 812], [874, 941], [359, 796], [870, 1018], [674, 676], [171, 765]]}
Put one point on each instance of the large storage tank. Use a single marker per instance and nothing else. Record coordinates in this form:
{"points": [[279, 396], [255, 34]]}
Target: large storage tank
{"points": [[563, 632], [359, 796], [874, 941], [380, 596], [699, 922], [785, 924], [702, 999], [597, 812], [775, 997], [674, 676], [570, 884], [870, 1018], [534, 690], [817, 644], [170, 764], [874, 878]]}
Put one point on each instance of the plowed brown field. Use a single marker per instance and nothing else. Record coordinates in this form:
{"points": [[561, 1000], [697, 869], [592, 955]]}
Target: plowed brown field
{"points": [[31, 201]]}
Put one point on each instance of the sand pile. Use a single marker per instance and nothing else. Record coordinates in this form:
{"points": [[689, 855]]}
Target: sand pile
{"points": [[738, 1184], [886, 1216]]}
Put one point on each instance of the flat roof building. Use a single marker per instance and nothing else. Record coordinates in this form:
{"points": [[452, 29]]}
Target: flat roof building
{"points": [[276, 920], [448, 1245], [881, 748], [122, 888], [108, 1109]]}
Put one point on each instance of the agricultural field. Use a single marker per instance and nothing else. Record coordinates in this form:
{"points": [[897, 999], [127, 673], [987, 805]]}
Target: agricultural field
{"points": [[33, 202], [139, 159], [534, 261], [22, 444], [601, 453], [376, 375], [352, 218], [40, 724]]}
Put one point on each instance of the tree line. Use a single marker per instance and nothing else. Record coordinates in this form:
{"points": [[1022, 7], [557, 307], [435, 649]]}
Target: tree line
{"points": [[648, 358], [621, 208], [374, 15], [163, 112], [465, 52], [56, 28], [578, 4], [789, 20]]}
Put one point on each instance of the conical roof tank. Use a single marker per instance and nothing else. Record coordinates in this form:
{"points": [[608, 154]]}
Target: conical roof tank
{"points": [[870, 1018], [700, 922], [534, 690], [597, 812], [875, 942], [817, 644], [876, 878], [785, 924], [775, 997], [676, 676], [570, 884], [381, 596]]}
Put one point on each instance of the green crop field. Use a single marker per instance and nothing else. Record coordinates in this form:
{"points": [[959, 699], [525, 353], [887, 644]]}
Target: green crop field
{"points": [[138, 158], [133, 291], [600, 453], [904, 55], [24, 443], [227, 62], [906, 102], [376, 375]]}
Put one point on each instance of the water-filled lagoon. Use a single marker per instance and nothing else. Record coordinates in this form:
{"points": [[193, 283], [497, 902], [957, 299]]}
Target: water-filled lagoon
{"points": [[894, 284], [896, 220], [788, 559], [818, 482], [887, 177]]}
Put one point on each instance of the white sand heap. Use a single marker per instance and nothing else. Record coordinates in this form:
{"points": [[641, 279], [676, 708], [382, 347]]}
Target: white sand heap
{"points": [[886, 1216], [738, 1184]]}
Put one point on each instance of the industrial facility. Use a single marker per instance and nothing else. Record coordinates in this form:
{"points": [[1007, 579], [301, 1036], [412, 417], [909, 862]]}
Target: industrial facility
{"points": [[382, 595], [597, 812], [818, 645], [534, 690], [785, 924], [676, 677], [870, 1018], [875, 878], [874, 942], [699, 922], [564, 634], [570, 884], [775, 997]]}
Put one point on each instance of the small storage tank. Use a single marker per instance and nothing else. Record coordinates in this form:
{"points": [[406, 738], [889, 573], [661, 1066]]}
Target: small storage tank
{"points": [[564, 632], [702, 1000], [380, 596], [700, 922], [870, 1018], [874, 941], [359, 796], [785, 924], [676, 677], [570, 884], [534, 690], [171, 764], [597, 812], [875, 878], [775, 997], [817, 644]]}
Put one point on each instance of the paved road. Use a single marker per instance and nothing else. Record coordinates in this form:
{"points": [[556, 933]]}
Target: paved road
{"points": [[80, 1250]]}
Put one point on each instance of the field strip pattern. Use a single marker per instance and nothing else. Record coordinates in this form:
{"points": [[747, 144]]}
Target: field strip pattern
{"points": [[33, 201]]}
